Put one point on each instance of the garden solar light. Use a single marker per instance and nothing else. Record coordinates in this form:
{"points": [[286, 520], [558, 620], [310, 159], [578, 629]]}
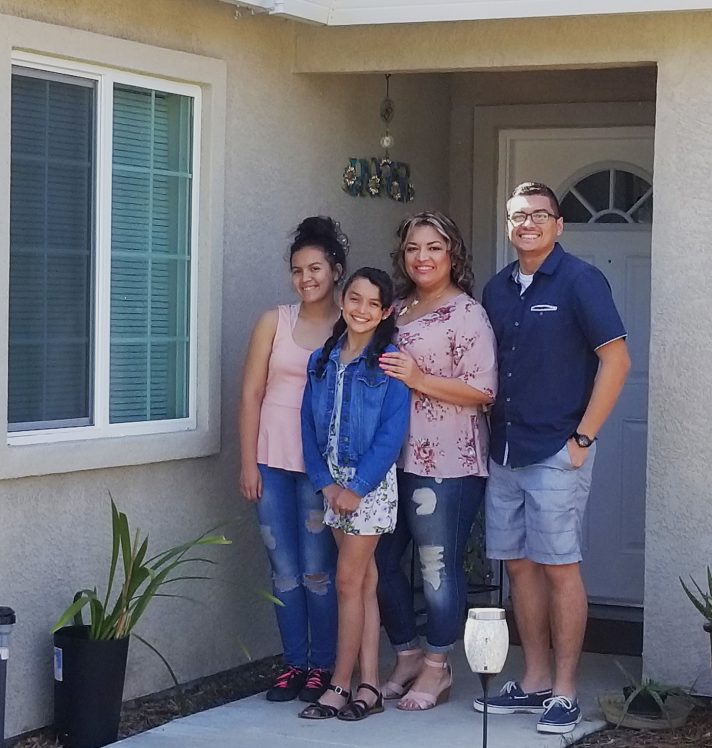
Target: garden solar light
{"points": [[486, 647]]}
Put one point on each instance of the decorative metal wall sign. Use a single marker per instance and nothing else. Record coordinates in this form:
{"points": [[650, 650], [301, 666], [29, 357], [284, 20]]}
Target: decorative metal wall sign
{"points": [[377, 177]]}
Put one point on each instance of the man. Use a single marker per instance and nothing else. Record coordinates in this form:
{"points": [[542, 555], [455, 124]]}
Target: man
{"points": [[563, 361]]}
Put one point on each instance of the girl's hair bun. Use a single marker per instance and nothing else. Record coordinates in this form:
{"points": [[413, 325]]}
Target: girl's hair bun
{"points": [[324, 232]]}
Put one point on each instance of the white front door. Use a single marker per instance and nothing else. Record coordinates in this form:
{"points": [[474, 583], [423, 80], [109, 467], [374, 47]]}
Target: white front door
{"points": [[606, 173]]}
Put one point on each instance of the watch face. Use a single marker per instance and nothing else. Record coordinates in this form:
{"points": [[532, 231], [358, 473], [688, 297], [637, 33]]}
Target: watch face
{"points": [[582, 440]]}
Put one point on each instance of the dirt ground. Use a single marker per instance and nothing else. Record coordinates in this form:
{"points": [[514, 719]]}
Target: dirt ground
{"points": [[696, 733]]}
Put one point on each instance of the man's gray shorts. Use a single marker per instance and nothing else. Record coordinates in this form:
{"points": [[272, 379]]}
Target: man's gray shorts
{"points": [[536, 512]]}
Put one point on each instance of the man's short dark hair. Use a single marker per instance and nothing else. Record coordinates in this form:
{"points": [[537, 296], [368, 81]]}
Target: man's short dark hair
{"points": [[537, 188]]}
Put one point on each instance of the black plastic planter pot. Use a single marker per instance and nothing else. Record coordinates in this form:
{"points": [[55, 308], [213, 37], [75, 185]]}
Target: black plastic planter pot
{"points": [[88, 687]]}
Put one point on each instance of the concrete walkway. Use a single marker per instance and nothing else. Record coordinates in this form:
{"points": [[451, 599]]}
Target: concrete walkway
{"points": [[257, 723]]}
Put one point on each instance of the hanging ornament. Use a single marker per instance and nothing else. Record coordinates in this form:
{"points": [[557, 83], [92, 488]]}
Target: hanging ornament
{"points": [[387, 111], [382, 176]]}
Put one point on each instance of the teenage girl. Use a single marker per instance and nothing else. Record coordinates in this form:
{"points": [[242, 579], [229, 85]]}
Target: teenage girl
{"points": [[301, 550], [354, 420]]}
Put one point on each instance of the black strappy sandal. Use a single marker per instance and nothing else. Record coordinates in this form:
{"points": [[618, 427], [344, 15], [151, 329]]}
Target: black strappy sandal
{"points": [[358, 709], [317, 710]]}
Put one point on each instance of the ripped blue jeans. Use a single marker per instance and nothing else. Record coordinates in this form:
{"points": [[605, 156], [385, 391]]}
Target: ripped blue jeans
{"points": [[302, 554], [438, 515]]}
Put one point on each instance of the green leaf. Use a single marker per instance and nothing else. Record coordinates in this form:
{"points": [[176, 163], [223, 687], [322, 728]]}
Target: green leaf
{"points": [[146, 596], [69, 613], [125, 540], [268, 596], [701, 604], [162, 658], [114, 549], [180, 550], [140, 555], [180, 597], [138, 577]]}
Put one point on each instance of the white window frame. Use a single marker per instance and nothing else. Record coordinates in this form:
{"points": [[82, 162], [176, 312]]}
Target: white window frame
{"points": [[103, 444], [105, 81]]}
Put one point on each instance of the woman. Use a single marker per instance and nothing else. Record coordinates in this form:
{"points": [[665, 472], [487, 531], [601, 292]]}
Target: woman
{"points": [[447, 357], [301, 550]]}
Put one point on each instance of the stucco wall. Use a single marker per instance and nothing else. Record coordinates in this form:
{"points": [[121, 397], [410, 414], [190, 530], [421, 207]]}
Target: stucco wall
{"points": [[679, 518], [288, 138]]}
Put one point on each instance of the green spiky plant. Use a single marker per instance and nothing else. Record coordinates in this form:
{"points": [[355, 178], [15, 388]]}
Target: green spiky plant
{"points": [[144, 579], [703, 599]]}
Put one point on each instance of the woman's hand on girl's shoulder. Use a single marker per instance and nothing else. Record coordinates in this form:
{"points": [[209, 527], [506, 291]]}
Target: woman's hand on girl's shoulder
{"points": [[251, 483], [401, 365]]}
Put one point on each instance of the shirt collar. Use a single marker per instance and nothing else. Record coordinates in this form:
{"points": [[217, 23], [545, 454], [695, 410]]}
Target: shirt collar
{"points": [[336, 350], [548, 267]]}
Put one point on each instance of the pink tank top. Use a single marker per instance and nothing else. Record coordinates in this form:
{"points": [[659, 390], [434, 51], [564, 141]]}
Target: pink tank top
{"points": [[279, 440]]}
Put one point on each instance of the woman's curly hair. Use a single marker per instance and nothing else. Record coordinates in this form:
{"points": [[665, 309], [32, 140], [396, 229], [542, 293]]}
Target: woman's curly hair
{"points": [[461, 272]]}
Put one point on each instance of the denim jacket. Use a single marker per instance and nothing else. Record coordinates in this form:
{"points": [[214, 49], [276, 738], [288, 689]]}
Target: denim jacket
{"points": [[375, 411]]}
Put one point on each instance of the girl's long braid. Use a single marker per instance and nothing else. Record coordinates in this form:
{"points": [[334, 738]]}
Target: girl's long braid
{"points": [[336, 332], [382, 337]]}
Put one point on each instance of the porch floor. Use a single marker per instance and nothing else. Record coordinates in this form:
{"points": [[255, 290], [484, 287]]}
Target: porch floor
{"points": [[257, 723]]}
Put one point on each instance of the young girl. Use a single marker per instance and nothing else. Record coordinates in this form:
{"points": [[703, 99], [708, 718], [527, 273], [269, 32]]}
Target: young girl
{"points": [[301, 550], [354, 420]]}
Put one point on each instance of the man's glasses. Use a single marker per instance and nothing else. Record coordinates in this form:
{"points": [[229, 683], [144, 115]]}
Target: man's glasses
{"points": [[538, 216]]}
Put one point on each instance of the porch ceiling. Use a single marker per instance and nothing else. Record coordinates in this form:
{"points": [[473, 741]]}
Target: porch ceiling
{"points": [[361, 12]]}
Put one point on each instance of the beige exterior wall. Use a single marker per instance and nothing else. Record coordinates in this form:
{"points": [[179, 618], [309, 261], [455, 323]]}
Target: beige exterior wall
{"points": [[287, 140]]}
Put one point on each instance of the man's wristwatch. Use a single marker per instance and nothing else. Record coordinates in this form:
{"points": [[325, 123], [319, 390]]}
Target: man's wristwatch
{"points": [[582, 440]]}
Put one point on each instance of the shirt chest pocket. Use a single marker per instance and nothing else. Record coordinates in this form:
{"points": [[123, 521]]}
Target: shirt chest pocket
{"points": [[549, 324], [548, 317]]}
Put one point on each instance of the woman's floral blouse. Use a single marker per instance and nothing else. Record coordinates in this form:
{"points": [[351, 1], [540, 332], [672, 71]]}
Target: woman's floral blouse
{"points": [[455, 340]]}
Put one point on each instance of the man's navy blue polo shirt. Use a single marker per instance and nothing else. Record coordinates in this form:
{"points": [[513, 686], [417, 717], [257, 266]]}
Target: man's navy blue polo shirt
{"points": [[546, 341]]}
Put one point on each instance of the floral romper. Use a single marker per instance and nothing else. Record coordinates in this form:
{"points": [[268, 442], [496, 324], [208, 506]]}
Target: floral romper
{"points": [[376, 514]]}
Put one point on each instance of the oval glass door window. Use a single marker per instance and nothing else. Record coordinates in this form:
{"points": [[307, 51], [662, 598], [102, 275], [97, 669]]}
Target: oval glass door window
{"points": [[609, 195]]}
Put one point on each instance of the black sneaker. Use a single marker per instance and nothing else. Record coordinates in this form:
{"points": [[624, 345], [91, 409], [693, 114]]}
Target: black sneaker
{"points": [[287, 684], [317, 681]]}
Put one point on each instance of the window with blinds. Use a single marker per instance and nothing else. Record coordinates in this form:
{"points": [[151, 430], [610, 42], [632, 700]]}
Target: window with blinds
{"points": [[56, 378]]}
